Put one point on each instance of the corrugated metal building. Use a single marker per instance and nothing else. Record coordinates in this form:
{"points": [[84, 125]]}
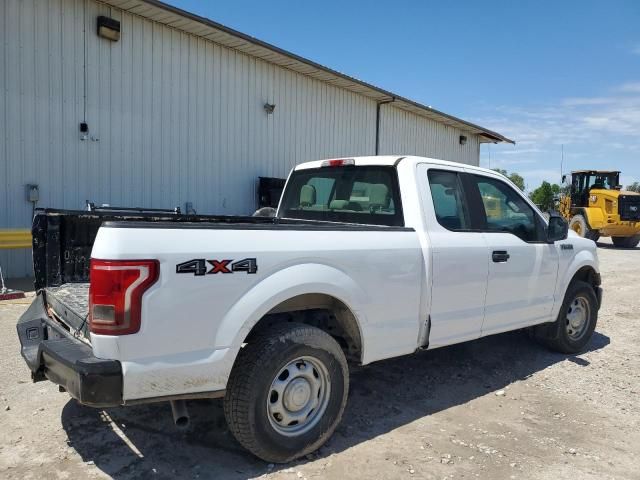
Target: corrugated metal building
{"points": [[175, 112]]}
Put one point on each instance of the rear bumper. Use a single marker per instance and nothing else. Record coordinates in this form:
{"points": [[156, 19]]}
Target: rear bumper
{"points": [[53, 353]]}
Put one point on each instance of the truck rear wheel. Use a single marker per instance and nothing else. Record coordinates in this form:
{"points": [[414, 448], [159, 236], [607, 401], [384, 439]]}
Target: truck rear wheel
{"points": [[579, 225], [287, 392], [576, 321], [626, 242]]}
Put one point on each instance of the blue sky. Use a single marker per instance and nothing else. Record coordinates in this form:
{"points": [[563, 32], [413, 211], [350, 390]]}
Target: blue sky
{"points": [[545, 73]]}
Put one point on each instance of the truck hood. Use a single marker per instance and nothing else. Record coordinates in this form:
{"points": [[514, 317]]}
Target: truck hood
{"points": [[580, 244]]}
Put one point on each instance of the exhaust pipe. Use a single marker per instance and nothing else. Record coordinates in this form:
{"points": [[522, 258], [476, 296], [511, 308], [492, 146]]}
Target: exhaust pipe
{"points": [[180, 413]]}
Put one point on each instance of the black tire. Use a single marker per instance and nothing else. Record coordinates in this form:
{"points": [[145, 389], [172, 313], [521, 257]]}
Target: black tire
{"points": [[626, 242], [556, 335], [579, 225], [250, 389]]}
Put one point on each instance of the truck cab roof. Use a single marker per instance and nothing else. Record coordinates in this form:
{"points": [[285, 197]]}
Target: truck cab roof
{"points": [[389, 160]]}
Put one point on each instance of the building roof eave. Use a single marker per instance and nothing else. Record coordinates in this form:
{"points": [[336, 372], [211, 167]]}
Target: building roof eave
{"points": [[196, 25]]}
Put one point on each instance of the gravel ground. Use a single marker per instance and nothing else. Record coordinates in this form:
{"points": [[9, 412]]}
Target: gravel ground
{"points": [[499, 407]]}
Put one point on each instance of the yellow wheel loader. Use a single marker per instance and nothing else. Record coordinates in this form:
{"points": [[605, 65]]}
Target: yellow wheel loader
{"points": [[597, 207]]}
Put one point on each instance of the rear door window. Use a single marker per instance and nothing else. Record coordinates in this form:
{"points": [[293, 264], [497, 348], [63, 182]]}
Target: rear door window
{"points": [[351, 194], [449, 200]]}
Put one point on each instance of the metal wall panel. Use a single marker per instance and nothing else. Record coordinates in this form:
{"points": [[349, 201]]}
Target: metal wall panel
{"points": [[173, 118], [403, 132]]}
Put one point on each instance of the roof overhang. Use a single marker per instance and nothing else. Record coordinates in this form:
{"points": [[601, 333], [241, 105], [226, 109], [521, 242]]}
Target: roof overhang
{"points": [[179, 19], [595, 172]]}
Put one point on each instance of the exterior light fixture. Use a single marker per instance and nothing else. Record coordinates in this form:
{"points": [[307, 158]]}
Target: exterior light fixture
{"points": [[84, 131], [463, 140], [108, 28], [269, 108]]}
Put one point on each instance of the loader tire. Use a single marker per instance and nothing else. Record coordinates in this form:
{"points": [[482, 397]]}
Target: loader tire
{"points": [[579, 225], [626, 242]]}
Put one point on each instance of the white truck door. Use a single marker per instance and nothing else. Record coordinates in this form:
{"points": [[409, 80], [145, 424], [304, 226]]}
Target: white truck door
{"points": [[522, 266], [459, 267]]}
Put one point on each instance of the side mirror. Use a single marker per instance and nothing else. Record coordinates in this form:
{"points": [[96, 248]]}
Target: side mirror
{"points": [[558, 228]]}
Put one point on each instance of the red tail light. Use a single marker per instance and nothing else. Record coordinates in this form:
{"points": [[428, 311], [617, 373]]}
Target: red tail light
{"points": [[115, 294]]}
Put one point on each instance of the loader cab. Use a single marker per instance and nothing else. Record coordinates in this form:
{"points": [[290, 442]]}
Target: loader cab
{"points": [[584, 181]]}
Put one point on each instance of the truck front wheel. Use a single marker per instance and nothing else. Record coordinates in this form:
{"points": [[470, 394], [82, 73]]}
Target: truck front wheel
{"points": [[287, 392], [576, 321], [626, 242]]}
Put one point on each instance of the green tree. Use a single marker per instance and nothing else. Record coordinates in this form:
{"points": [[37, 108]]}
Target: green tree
{"points": [[517, 179], [544, 195], [634, 187], [513, 176]]}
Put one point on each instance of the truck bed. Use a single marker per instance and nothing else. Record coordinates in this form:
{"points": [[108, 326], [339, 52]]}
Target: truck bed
{"points": [[63, 241], [70, 302]]}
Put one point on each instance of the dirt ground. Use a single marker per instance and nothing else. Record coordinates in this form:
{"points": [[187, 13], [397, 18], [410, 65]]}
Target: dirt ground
{"points": [[500, 407]]}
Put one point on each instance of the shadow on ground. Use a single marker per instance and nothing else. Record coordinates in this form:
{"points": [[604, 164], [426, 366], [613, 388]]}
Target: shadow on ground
{"points": [[141, 441], [611, 246]]}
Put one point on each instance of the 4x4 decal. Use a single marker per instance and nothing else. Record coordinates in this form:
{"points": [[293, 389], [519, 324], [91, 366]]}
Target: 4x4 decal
{"points": [[199, 267]]}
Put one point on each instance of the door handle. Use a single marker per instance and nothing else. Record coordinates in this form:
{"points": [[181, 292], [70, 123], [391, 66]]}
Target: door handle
{"points": [[500, 256]]}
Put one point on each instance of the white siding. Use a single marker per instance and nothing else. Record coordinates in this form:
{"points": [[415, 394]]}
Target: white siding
{"points": [[405, 133], [175, 118]]}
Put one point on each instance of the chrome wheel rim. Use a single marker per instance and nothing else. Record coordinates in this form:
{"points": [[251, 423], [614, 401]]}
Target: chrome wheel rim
{"points": [[298, 396], [577, 318]]}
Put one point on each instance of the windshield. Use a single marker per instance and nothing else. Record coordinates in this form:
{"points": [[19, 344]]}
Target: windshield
{"points": [[607, 181], [366, 195]]}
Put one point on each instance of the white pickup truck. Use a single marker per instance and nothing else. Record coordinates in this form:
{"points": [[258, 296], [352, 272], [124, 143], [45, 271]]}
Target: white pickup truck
{"points": [[367, 258]]}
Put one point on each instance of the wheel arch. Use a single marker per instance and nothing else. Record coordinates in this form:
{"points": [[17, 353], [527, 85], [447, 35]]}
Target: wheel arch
{"points": [[287, 291], [583, 269], [322, 311], [587, 274]]}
